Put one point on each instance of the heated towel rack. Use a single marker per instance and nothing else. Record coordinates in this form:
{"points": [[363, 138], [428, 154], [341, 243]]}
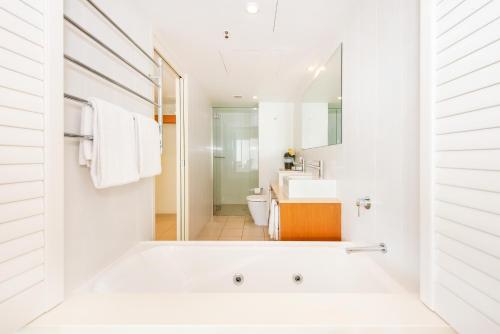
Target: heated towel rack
{"points": [[155, 80]]}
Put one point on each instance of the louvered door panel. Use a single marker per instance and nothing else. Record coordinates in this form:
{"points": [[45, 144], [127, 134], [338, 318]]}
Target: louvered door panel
{"points": [[29, 36], [466, 215]]}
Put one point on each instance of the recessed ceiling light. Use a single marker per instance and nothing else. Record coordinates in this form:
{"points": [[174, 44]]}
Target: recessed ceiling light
{"points": [[311, 68], [252, 7], [255, 97]]}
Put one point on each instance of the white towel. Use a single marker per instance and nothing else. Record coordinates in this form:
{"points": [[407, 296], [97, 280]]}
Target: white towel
{"points": [[276, 233], [270, 225], [114, 148], [86, 125], [148, 144], [273, 228]]}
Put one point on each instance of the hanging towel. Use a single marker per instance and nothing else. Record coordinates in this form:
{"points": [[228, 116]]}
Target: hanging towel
{"points": [[114, 148], [276, 233], [86, 124], [273, 228], [148, 144]]}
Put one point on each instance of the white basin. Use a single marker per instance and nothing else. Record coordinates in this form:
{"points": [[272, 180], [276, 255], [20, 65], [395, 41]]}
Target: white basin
{"points": [[306, 187], [285, 173]]}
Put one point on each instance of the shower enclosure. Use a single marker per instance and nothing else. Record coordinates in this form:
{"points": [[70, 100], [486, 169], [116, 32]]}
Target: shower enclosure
{"points": [[235, 153]]}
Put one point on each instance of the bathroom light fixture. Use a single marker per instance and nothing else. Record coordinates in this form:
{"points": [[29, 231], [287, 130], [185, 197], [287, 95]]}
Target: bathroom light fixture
{"points": [[339, 98], [311, 68], [252, 7], [255, 97]]}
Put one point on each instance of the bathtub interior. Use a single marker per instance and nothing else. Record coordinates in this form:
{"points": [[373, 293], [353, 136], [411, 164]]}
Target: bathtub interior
{"points": [[205, 267]]}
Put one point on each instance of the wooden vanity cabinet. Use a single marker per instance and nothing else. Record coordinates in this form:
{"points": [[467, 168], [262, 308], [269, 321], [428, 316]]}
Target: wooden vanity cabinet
{"points": [[310, 221]]}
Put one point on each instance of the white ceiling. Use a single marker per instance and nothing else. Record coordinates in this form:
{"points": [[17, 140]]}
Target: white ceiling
{"points": [[255, 60]]}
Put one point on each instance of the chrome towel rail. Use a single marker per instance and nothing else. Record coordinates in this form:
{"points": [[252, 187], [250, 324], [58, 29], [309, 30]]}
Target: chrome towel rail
{"points": [[76, 98], [110, 50], [117, 27], [105, 77], [151, 79], [74, 135]]}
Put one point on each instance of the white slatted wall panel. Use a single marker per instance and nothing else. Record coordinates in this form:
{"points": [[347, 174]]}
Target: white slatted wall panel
{"points": [[22, 152], [467, 164]]}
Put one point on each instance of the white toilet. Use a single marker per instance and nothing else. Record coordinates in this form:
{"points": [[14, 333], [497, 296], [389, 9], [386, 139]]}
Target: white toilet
{"points": [[258, 208]]}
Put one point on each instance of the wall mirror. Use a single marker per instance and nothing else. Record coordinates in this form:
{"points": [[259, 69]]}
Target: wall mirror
{"points": [[321, 105]]}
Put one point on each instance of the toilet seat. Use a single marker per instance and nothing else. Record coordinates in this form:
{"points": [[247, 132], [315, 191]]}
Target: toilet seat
{"points": [[257, 198]]}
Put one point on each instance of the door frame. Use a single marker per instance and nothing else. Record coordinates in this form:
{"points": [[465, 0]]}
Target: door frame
{"points": [[180, 151], [427, 83]]}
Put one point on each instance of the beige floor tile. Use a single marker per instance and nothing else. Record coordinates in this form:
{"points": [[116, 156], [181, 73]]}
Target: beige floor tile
{"points": [[211, 232], [252, 227], [248, 219], [235, 219], [214, 226], [250, 223], [232, 210], [253, 233], [231, 233], [219, 219], [234, 225]]}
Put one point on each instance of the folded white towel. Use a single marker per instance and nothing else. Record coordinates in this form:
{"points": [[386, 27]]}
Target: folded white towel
{"points": [[86, 125], [114, 149], [148, 144]]}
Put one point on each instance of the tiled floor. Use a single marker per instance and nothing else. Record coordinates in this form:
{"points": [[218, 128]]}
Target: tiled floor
{"points": [[233, 228], [166, 227], [231, 210]]}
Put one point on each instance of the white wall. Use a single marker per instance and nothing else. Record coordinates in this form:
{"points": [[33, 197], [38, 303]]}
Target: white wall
{"points": [[378, 156], [102, 224], [198, 113], [166, 182], [275, 137]]}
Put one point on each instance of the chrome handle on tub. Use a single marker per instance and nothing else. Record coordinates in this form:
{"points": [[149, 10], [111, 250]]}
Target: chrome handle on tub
{"points": [[365, 202], [381, 247]]}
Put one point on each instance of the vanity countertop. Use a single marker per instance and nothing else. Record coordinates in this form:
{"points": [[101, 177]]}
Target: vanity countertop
{"points": [[283, 198]]}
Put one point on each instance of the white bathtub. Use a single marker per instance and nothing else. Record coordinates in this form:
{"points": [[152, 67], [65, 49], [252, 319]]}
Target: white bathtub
{"points": [[265, 267], [170, 287]]}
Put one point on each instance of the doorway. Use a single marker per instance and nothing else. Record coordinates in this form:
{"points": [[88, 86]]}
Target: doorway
{"points": [[166, 224], [235, 175]]}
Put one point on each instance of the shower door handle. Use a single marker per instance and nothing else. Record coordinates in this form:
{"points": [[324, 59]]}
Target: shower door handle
{"points": [[216, 157]]}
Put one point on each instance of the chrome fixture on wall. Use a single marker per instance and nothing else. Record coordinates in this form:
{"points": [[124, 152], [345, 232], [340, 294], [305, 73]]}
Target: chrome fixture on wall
{"points": [[381, 247], [318, 165], [364, 202]]}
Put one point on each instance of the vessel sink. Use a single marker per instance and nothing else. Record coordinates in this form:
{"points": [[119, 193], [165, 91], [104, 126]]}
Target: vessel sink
{"points": [[306, 187], [285, 173]]}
